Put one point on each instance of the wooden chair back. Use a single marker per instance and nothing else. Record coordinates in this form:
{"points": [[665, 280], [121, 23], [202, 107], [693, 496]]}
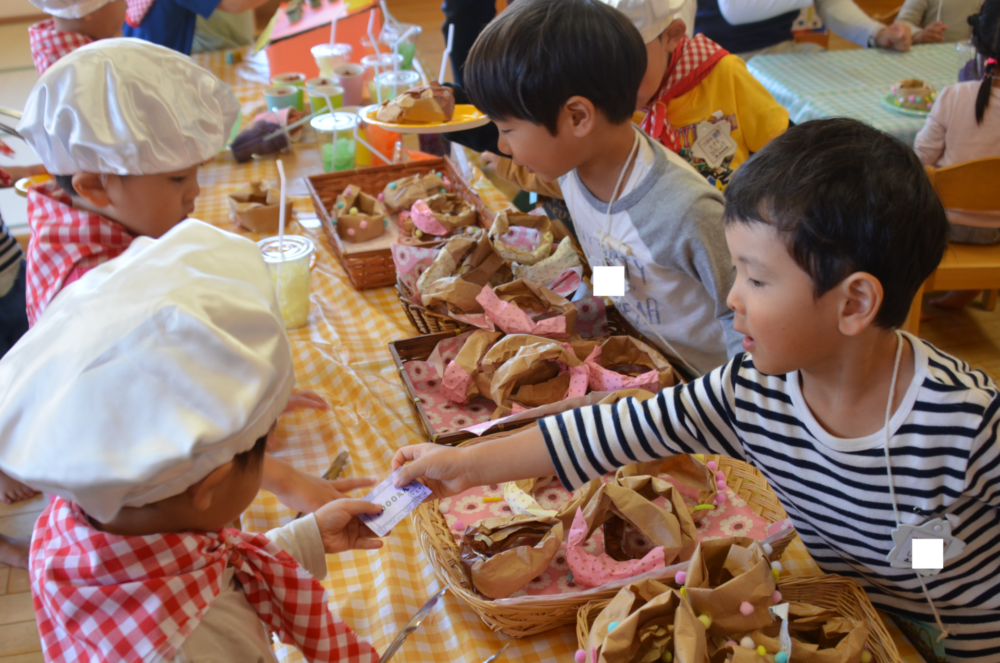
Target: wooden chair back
{"points": [[970, 185]]}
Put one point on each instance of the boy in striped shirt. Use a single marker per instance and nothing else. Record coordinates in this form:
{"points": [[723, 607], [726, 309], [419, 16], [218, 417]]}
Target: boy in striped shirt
{"points": [[860, 429]]}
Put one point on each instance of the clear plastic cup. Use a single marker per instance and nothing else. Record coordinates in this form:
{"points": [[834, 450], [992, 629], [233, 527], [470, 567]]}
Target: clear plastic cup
{"points": [[393, 84], [328, 56], [407, 48], [325, 97], [290, 273], [384, 62], [335, 136]]}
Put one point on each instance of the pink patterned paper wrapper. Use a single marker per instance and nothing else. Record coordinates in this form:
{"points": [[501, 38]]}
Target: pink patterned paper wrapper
{"points": [[733, 517]]}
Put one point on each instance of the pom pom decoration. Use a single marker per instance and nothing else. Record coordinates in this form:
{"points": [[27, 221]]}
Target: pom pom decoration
{"points": [[720, 498], [680, 577], [354, 210], [444, 190], [776, 597], [768, 549], [459, 525], [418, 234], [350, 231], [746, 608], [684, 592], [712, 465], [706, 620], [666, 657], [392, 185], [776, 565], [866, 656], [761, 651], [781, 657], [580, 656], [612, 626], [720, 476], [732, 643], [364, 224], [721, 485], [340, 204], [747, 642], [381, 197]]}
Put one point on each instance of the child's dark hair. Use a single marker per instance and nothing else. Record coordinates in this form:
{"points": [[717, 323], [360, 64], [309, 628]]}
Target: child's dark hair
{"points": [[537, 54], [846, 198], [65, 183], [252, 457], [986, 39]]}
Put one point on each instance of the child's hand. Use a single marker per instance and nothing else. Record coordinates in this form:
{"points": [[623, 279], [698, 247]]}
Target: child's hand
{"points": [[341, 529], [442, 468], [304, 492], [932, 34], [305, 398], [19, 172]]}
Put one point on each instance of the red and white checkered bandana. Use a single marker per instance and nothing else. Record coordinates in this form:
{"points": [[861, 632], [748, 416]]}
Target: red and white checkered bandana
{"points": [[49, 44], [137, 11], [692, 60], [5, 178], [103, 597], [64, 241]]}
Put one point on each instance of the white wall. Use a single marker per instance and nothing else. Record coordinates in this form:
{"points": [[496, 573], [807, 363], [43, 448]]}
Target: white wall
{"points": [[9, 8]]}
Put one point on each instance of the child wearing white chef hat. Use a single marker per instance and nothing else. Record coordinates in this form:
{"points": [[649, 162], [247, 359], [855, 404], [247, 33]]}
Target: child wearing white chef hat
{"points": [[73, 23], [144, 399], [123, 125]]}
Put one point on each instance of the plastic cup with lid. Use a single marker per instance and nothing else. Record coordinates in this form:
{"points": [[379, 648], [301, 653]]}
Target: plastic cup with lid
{"points": [[290, 273]]}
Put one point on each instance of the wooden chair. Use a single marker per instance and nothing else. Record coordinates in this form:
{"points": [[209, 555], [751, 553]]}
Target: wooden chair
{"points": [[966, 186]]}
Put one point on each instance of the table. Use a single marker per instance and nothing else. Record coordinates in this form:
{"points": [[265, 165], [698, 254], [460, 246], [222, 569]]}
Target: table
{"points": [[342, 355], [851, 83]]}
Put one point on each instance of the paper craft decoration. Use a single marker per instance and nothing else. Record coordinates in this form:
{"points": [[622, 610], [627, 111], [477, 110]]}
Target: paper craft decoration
{"points": [[818, 636], [459, 384], [644, 620], [530, 371], [549, 271], [682, 468], [618, 363], [502, 555], [914, 94], [518, 495], [669, 529], [438, 216], [433, 104], [459, 277], [257, 207], [514, 308], [522, 238], [402, 193], [724, 574], [358, 216]]}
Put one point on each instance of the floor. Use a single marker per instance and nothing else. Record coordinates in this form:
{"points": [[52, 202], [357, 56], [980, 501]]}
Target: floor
{"points": [[971, 334]]}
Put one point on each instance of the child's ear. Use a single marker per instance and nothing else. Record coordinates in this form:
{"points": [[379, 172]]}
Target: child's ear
{"points": [[204, 492], [581, 114], [861, 298], [91, 188], [673, 35]]}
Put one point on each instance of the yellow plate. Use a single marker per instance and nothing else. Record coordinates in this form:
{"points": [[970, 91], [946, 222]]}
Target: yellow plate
{"points": [[465, 117], [24, 183]]}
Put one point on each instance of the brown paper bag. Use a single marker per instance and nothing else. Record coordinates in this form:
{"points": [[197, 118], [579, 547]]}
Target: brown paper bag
{"points": [[629, 358], [431, 104], [538, 302], [818, 636], [523, 369], [468, 359], [670, 526], [502, 555], [723, 574], [510, 219], [475, 265], [564, 514], [450, 210], [402, 193], [358, 216], [652, 618], [683, 468], [257, 207]]}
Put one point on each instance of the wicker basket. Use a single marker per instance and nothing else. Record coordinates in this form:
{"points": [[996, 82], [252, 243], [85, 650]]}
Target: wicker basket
{"points": [[832, 592], [546, 613], [419, 348], [375, 269]]}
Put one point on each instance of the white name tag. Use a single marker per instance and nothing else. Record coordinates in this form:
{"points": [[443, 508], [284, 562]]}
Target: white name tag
{"points": [[901, 556]]}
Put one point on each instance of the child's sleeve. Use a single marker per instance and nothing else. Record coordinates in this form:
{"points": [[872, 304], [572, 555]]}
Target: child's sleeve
{"points": [[761, 118], [519, 175], [912, 14], [982, 474], [301, 539], [692, 418], [929, 143]]}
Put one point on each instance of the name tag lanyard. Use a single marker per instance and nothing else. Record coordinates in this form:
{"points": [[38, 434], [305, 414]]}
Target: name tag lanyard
{"points": [[904, 534], [610, 246]]}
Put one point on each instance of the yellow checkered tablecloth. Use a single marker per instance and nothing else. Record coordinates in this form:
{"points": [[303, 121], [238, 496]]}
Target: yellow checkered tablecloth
{"points": [[342, 354]]}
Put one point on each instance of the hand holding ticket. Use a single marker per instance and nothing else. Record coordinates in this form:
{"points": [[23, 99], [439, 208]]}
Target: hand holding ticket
{"points": [[396, 503]]}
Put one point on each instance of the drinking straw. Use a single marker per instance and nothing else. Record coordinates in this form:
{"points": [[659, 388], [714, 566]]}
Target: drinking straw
{"points": [[940, 4], [281, 213], [395, 49], [447, 51], [378, 56], [333, 25]]}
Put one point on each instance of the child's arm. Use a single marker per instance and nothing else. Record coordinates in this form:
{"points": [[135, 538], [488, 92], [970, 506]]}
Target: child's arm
{"points": [[522, 177], [912, 14], [982, 473], [586, 443]]}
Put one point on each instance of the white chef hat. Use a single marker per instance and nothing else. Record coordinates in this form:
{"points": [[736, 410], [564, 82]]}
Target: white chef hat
{"points": [[148, 373], [650, 17], [69, 8], [127, 107]]}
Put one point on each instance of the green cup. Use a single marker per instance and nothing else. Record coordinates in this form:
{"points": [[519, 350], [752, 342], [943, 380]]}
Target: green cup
{"points": [[281, 96], [321, 98], [296, 80]]}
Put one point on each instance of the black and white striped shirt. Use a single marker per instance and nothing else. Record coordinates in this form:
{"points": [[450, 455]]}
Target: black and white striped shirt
{"points": [[10, 258], [945, 461]]}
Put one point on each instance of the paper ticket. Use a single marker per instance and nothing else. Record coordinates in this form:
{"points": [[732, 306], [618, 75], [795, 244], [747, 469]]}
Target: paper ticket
{"points": [[396, 503]]}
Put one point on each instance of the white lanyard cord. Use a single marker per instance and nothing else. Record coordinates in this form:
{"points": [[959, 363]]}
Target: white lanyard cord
{"points": [[888, 469], [607, 234]]}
